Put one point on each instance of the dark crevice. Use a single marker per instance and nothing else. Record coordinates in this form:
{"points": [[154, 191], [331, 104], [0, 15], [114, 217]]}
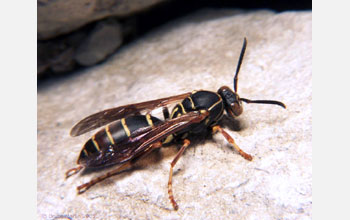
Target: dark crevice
{"points": [[137, 25]]}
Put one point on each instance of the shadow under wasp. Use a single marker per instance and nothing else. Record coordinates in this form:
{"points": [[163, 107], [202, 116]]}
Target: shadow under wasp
{"points": [[130, 135]]}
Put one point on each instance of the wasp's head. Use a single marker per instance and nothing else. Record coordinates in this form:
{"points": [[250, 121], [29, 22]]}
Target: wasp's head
{"points": [[232, 101]]}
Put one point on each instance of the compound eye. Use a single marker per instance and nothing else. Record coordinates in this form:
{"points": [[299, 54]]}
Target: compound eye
{"points": [[236, 108], [227, 95], [233, 104]]}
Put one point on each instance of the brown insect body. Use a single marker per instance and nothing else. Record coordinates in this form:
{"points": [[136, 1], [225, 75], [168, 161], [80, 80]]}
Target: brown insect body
{"points": [[130, 135]]}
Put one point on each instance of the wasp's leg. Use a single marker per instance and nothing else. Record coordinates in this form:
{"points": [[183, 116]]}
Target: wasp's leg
{"points": [[170, 187], [73, 171], [231, 141], [82, 188]]}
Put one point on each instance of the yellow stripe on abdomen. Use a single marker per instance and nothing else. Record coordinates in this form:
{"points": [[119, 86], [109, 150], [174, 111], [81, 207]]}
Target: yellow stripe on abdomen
{"points": [[126, 129], [95, 143], [149, 120], [109, 135]]}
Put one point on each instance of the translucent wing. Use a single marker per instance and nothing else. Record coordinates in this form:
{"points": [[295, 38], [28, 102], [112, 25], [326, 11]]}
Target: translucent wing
{"points": [[143, 138], [106, 116]]}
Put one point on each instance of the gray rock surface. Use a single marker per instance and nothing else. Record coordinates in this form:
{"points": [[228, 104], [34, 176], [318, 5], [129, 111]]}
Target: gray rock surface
{"points": [[85, 47], [211, 181], [103, 40], [58, 55]]}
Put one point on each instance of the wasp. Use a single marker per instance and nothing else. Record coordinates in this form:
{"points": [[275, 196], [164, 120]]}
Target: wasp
{"points": [[130, 135]]}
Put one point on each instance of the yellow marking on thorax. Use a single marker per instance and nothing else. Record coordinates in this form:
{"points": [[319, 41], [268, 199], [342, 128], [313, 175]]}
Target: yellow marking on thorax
{"points": [[149, 120], [168, 139], [215, 104], [85, 152], [182, 107], [202, 111], [222, 108], [109, 135], [95, 143], [192, 103], [126, 129], [173, 112]]}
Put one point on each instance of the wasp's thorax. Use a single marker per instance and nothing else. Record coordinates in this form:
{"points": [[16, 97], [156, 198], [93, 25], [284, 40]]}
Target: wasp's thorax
{"points": [[232, 102]]}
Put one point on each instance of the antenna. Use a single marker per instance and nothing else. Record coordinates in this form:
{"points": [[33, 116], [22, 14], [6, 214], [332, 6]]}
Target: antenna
{"points": [[272, 102], [235, 79]]}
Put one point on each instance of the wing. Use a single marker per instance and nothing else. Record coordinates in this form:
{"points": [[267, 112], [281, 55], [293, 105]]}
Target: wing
{"points": [[106, 116], [143, 138]]}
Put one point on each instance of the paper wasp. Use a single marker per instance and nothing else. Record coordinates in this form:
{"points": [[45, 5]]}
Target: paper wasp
{"points": [[130, 135]]}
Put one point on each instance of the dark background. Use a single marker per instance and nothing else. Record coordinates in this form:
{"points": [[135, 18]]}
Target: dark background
{"points": [[160, 14]]}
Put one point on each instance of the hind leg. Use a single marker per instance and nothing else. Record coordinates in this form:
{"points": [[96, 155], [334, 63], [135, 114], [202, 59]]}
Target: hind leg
{"points": [[82, 188], [73, 171]]}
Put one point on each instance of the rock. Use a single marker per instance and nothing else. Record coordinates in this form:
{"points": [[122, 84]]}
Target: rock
{"points": [[61, 17], [103, 40], [86, 47], [211, 181], [58, 55]]}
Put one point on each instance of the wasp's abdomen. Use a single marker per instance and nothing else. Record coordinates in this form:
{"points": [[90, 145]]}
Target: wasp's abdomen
{"points": [[111, 135]]}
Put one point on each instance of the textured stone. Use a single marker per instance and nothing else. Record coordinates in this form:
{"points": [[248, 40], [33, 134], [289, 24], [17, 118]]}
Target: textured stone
{"points": [[85, 47], [103, 40], [58, 55], [211, 181]]}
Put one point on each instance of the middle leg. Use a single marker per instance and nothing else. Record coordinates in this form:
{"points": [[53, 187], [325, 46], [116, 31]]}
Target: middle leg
{"points": [[170, 185], [82, 188]]}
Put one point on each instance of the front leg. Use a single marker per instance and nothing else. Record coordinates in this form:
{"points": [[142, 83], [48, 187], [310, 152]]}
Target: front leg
{"points": [[231, 141]]}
